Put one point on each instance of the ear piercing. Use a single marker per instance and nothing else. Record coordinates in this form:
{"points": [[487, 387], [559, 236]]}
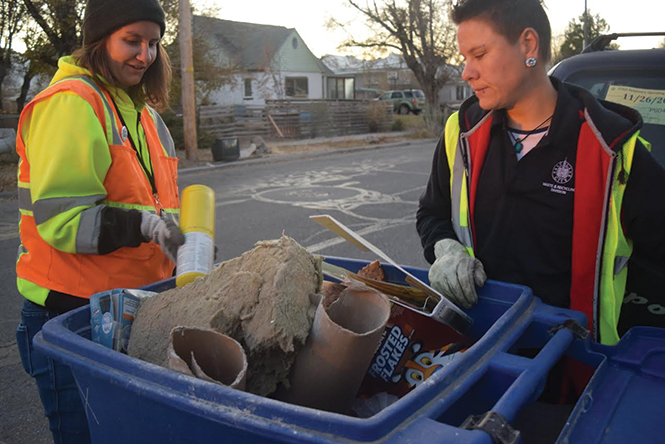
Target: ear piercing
{"points": [[531, 62]]}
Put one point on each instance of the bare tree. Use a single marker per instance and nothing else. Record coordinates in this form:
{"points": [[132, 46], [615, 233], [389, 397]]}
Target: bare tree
{"points": [[60, 21], [37, 59], [12, 18], [210, 74], [271, 82], [211, 71], [421, 32]]}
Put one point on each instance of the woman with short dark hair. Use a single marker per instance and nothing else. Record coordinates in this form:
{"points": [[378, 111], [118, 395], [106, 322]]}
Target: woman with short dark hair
{"points": [[536, 182]]}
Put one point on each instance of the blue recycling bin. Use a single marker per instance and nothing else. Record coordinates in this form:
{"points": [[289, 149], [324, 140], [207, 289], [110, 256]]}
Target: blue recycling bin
{"points": [[472, 400]]}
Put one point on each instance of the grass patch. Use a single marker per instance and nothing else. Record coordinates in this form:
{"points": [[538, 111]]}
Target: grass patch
{"points": [[409, 122], [423, 133], [415, 125]]}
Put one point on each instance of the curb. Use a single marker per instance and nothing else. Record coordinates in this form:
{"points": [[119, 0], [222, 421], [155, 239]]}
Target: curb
{"points": [[287, 157], [265, 160]]}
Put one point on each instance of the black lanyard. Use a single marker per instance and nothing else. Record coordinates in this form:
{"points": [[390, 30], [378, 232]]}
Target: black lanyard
{"points": [[139, 151]]}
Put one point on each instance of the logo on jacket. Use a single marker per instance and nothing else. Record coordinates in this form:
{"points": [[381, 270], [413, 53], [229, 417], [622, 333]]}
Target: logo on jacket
{"points": [[562, 172]]}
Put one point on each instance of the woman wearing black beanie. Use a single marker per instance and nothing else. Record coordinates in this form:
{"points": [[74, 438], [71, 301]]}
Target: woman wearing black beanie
{"points": [[97, 187]]}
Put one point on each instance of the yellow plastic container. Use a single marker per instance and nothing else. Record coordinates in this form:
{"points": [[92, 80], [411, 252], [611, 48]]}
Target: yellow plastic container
{"points": [[197, 223]]}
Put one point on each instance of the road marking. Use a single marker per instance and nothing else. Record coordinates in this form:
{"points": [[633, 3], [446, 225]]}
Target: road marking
{"points": [[421, 189], [8, 231], [419, 173], [231, 202]]}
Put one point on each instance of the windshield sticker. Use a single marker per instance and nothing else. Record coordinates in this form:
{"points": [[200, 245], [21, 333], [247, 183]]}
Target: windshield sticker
{"points": [[649, 102]]}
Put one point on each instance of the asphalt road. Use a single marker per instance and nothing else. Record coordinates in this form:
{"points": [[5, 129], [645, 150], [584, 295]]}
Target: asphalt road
{"points": [[373, 191]]}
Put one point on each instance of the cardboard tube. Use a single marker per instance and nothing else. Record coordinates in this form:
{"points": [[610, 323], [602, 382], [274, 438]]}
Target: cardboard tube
{"points": [[346, 332], [208, 355]]}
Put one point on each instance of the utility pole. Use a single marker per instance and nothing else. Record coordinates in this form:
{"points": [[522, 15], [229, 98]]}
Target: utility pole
{"points": [[586, 26], [187, 76]]}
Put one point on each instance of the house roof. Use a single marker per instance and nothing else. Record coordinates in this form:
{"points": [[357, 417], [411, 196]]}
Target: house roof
{"points": [[249, 45], [353, 65], [350, 64]]}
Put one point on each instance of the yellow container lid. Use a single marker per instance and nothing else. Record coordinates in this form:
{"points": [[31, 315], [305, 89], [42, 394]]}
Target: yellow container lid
{"points": [[197, 210]]}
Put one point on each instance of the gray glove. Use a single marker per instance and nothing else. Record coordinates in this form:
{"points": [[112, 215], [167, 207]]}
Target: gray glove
{"points": [[163, 232], [454, 273]]}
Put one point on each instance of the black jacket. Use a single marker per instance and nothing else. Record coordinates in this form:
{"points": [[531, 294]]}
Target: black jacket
{"points": [[524, 229]]}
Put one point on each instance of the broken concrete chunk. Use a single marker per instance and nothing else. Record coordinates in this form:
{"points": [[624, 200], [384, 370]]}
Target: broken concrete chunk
{"points": [[261, 299]]}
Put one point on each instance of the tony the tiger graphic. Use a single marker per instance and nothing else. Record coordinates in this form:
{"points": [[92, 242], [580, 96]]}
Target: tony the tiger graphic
{"points": [[413, 348], [423, 364]]}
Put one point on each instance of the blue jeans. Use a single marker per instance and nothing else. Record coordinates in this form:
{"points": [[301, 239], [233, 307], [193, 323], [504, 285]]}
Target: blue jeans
{"points": [[55, 382]]}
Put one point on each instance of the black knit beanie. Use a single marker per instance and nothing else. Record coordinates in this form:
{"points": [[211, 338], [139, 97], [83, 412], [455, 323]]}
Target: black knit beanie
{"points": [[105, 16]]}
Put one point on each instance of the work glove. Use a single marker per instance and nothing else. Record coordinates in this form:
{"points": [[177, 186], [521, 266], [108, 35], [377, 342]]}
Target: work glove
{"points": [[163, 232], [455, 274]]}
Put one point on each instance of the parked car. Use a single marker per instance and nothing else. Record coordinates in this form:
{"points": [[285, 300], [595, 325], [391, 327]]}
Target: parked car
{"points": [[635, 78], [405, 101]]}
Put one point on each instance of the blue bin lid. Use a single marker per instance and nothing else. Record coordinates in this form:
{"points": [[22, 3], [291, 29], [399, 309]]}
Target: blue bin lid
{"points": [[623, 402]]}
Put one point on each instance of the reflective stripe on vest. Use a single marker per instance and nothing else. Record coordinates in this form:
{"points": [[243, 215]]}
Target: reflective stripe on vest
{"points": [[459, 200], [126, 185], [616, 252], [465, 165], [600, 248]]}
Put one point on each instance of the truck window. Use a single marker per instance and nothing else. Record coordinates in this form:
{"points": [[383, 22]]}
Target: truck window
{"points": [[642, 90]]}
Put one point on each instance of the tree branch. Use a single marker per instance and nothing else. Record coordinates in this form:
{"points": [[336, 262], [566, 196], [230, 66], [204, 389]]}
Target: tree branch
{"points": [[36, 15]]}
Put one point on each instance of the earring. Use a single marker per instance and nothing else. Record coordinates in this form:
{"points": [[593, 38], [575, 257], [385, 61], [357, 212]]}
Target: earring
{"points": [[531, 62]]}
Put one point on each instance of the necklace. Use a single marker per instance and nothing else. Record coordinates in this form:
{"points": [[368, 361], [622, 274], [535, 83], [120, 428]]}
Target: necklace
{"points": [[518, 142]]}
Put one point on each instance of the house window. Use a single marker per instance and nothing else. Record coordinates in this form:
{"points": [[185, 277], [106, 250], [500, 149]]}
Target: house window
{"points": [[248, 88], [461, 92], [393, 77], [296, 87], [341, 88], [349, 88], [294, 43]]}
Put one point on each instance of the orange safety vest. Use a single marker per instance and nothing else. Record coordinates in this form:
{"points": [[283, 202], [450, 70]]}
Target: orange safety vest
{"points": [[126, 186]]}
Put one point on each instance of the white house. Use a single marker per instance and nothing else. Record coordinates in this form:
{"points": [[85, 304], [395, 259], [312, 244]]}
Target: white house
{"points": [[268, 63]]}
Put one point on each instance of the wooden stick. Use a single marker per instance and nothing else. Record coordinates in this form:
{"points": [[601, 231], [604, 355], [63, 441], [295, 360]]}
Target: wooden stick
{"points": [[276, 127]]}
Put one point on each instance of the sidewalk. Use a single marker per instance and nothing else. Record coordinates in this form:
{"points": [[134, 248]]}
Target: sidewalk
{"points": [[289, 149], [355, 137]]}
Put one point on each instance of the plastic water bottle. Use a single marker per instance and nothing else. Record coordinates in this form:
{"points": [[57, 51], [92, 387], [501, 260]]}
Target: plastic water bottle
{"points": [[197, 223]]}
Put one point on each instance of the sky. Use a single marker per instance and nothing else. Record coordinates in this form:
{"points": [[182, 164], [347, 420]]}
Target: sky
{"points": [[309, 17]]}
